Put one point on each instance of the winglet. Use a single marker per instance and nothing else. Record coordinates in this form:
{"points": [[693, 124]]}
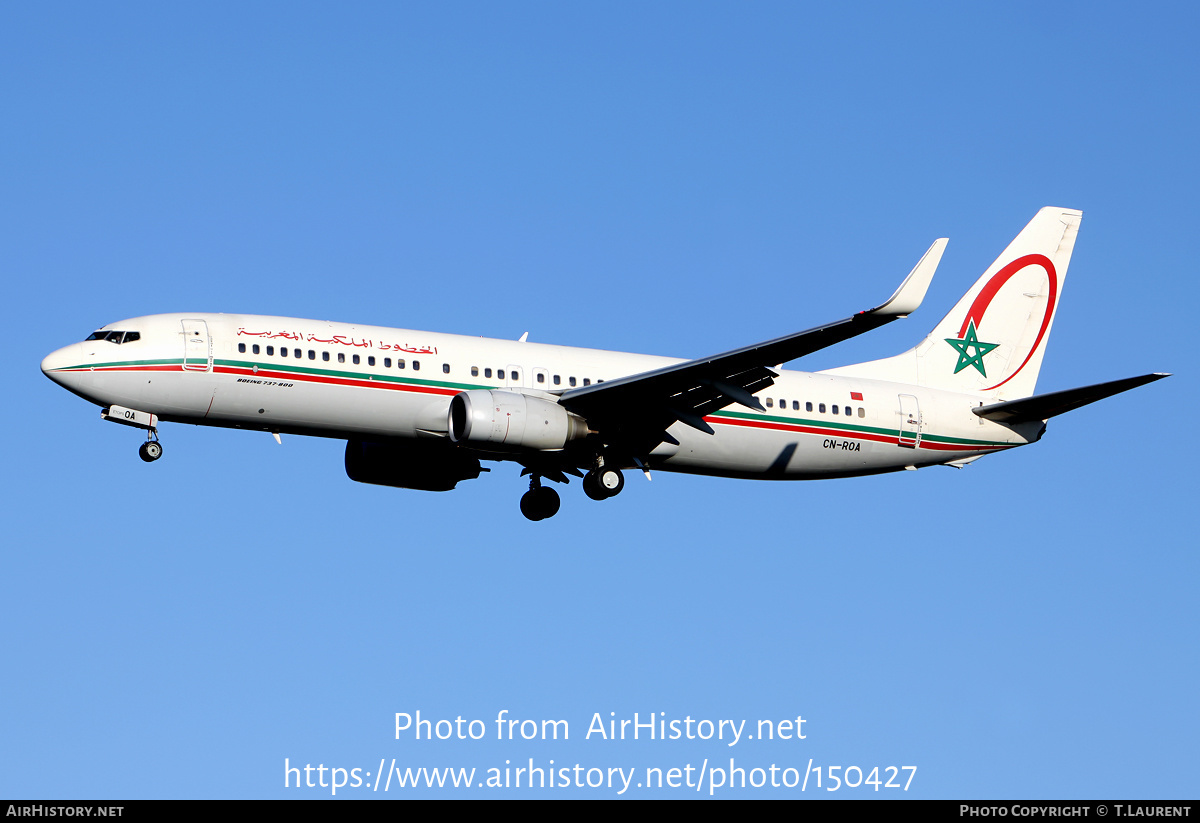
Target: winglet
{"points": [[908, 297]]}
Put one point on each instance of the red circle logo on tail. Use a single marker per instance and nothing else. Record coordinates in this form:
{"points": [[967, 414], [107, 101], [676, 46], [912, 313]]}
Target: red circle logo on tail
{"points": [[978, 308]]}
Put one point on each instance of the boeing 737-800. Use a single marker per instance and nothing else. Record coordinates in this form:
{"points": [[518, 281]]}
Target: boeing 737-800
{"points": [[421, 410]]}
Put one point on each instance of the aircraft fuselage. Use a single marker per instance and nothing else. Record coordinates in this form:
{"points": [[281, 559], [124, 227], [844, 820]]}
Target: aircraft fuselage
{"points": [[294, 376]]}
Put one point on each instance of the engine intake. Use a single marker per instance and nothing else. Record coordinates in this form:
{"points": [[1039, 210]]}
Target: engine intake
{"points": [[505, 418]]}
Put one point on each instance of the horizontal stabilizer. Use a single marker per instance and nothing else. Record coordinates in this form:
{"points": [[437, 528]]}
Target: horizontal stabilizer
{"points": [[1045, 406]]}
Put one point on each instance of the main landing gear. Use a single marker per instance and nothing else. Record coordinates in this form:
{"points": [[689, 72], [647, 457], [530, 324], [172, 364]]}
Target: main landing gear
{"points": [[603, 482], [600, 484], [539, 502]]}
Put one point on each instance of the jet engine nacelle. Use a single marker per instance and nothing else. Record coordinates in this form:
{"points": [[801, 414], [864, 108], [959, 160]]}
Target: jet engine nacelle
{"points": [[429, 466], [504, 418]]}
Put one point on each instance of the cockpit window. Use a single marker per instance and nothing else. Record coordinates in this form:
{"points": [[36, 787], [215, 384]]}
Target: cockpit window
{"points": [[117, 337]]}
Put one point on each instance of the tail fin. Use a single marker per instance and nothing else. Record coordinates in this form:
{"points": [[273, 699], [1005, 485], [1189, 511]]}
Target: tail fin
{"points": [[993, 341]]}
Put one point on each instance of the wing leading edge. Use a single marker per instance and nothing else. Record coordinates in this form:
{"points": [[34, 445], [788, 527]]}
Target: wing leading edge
{"points": [[634, 412]]}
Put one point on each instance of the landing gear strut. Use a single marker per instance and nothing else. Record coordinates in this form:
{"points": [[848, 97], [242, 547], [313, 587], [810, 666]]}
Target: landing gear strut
{"points": [[603, 482], [539, 502]]}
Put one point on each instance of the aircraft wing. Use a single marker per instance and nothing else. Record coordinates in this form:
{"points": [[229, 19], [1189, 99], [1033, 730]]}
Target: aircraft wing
{"points": [[635, 411]]}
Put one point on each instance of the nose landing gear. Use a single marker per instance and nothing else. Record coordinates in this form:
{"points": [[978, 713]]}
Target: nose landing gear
{"points": [[151, 450]]}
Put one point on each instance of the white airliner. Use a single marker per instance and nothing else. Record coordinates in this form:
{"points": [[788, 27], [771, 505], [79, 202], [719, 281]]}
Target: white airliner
{"points": [[420, 410]]}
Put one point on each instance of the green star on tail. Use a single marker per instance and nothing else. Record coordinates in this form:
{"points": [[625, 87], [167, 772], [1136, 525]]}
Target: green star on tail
{"points": [[970, 341]]}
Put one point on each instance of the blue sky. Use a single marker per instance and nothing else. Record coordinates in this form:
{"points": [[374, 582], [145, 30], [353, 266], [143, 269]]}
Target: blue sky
{"points": [[671, 178]]}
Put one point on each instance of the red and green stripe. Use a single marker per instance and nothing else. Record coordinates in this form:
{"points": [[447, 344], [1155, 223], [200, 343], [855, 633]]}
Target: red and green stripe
{"points": [[816, 427]]}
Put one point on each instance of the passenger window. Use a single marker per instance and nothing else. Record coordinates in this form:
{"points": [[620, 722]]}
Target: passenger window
{"points": [[325, 356], [282, 351], [341, 357], [770, 403], [474, 371], [270, 351], [558, 379], [445, 368], [355, 359], [808, 406], [399, 364], [254, 348], [487, 372], [416, 365], [516, 375], [387, 362], [297, 353], [242, 348], [849, 411], [821, 408], [862, 412], [499, 374], [587, 381], [541, 378], [312, 355], [835, 411], [571, 381], [795, 405], [371, 360]]}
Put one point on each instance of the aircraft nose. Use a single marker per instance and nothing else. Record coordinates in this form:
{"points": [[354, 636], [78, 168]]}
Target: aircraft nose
{"points": [[56, 361]]}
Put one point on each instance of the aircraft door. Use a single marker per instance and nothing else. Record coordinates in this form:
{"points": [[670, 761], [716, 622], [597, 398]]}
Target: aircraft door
{"points": [[910, 421], [197, 346]]}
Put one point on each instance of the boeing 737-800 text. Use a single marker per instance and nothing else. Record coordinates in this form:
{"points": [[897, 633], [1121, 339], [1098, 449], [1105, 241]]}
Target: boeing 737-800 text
{"points": [[420, 410]]}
